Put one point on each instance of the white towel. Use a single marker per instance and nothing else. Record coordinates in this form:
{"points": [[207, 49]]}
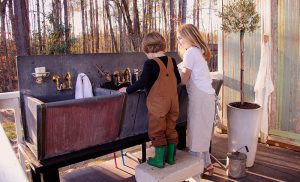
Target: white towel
{"points": [[264, 85], [83, 87]]}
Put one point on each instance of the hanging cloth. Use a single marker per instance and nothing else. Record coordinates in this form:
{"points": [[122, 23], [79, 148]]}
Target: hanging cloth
{"points": [[264, 85], [83, 87]]}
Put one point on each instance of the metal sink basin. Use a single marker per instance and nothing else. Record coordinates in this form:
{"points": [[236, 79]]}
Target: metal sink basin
{"points": [[57, 126]]}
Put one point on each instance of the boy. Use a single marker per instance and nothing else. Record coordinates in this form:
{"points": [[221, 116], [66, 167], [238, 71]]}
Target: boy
{"points": [[160, 77]]}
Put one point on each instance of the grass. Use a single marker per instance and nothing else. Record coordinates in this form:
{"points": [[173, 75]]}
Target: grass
{"points": [[10, 130]]}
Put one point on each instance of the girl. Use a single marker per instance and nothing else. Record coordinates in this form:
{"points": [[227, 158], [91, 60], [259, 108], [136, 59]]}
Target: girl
{"points": [[201, 106]]}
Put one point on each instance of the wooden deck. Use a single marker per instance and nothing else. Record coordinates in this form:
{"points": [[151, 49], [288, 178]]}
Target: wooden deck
{"points": [[271, 164]]}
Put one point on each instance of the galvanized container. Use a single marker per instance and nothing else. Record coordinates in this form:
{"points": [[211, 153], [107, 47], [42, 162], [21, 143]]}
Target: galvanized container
{"points": [[236, 164]]}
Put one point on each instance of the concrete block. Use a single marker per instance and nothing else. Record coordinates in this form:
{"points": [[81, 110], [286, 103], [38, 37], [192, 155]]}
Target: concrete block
{"points": [[185, 167]]}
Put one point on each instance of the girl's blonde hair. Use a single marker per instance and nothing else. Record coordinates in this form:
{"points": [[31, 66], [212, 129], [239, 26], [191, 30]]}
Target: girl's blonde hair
{"points": [[192, 34], [153, 42]]}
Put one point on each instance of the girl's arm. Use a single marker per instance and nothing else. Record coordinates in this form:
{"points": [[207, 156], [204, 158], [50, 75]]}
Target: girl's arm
{"points": [[185, 75]]}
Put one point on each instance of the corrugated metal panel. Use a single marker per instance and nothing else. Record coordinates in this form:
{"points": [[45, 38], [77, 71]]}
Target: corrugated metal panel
{"points": [[231, 65], [285, 108]]}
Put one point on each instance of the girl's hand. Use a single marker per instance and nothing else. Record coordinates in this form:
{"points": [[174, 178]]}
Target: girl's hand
{"points": [[122, 90], [185, 75]]}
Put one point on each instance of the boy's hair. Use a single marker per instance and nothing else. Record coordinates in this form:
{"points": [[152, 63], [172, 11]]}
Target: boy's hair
{"points": [[192, 34], [153, 42]]}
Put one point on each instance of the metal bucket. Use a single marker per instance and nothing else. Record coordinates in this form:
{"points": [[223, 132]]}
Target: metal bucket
{"points": [[236, 164]]}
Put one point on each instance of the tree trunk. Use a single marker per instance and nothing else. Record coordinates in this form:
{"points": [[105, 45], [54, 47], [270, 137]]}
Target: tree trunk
{"points": [[172, 23], [183, 19], [83, 26], [12, 19], [179, 12], [87, 31], [92, 25], [194, 12], [105, 30], [134, 37], [44, 25], [155, 18], [113, 39], [121, 29], [197, 13], [150, 17], [55, 10], [242, 33], [67, 29], [59, 11], [39, 27], [22, 27], [136, 22], [165, 16], [144, 17], [7, 84], [97, 27]]}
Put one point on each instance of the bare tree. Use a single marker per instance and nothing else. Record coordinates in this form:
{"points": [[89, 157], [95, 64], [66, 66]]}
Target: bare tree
{"points": [[163, 5], [12, 18], [97, 26], [136, 22], [134, 36], [87, 30], [83, 25], [121, 29], [44, 23], [172, 23], [67, 29], [73, 21], [6, 67], [144, 17], [113, 39], [181, 11], [92, 24], [150, 15], [22, 27], [39, 26]]}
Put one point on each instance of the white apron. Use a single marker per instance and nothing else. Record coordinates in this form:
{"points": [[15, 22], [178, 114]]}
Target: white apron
{"points": [[200, 118]]}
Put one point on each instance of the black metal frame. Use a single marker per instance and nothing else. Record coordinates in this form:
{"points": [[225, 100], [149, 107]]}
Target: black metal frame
{"points": [[47, 170]]}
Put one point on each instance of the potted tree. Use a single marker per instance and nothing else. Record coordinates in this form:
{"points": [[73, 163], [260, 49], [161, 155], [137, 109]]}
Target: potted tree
{"points": [[240, 16]]}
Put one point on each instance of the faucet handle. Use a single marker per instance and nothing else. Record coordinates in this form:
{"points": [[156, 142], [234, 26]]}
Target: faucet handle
{"points": [[55, 78], [68, 76]]}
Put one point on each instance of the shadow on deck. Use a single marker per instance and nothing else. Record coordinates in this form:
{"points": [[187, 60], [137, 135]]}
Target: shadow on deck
{"points": [[271, 164]]}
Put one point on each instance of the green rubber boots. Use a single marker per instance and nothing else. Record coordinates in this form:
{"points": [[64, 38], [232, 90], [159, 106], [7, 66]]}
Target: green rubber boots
{"points": [[162, 156], [171, 152], [159, 159]]}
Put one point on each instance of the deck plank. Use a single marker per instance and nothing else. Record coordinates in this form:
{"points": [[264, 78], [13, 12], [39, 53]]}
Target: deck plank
{"points": [[271, 164]]}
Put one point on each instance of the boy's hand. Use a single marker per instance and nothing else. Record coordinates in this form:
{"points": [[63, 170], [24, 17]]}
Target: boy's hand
{"points": [[122, 90]]}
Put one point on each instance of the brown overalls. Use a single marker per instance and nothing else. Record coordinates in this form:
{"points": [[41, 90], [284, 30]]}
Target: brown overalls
{"points": [[163, 107]]}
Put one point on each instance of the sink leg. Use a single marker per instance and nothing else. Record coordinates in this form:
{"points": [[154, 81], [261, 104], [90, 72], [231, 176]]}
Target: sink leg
{"points": [[36, 177], [52, 175], [143, 152]]}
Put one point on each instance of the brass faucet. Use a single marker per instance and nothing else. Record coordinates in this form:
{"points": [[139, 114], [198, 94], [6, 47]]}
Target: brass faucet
{"points": [[66, 84], [125, 77], [104, 74]]}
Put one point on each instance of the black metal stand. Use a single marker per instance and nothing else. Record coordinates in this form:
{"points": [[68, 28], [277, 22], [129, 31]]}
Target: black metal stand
{"points": [[47, 170], [213, 157]]}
